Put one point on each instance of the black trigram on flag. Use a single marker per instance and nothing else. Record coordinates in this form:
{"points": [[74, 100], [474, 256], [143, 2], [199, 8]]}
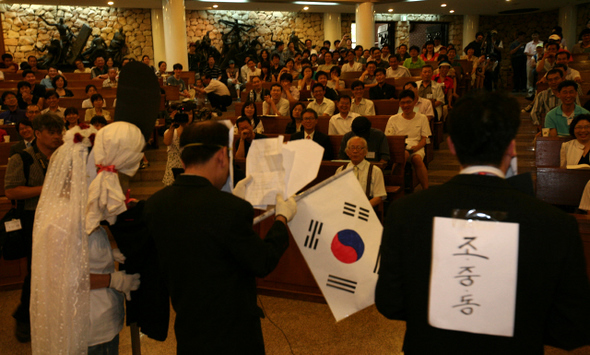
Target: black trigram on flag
{"points": [[341, 284], [351, 210], [314, 231]]}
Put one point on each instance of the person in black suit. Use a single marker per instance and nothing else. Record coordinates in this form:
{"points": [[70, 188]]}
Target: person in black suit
{"points": [[310, 120], [208, 251], [552, 288], [383, 90], [246, 136]]}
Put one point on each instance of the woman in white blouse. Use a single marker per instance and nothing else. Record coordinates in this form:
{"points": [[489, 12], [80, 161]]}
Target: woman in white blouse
{"points": [[576, 151]]}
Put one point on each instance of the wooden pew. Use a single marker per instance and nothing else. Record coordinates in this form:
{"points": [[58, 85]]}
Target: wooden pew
{"points": [[547, 150], [77, 102], [584, 227], [351, 75], [4, 154], [386, 107], [11, 130], [559, 186]]}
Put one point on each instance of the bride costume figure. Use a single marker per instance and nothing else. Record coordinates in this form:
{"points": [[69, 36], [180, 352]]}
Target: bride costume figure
{"points": [[76, 293]]}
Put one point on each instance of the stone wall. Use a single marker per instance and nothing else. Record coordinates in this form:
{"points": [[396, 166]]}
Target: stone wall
{"points": [[278, 24], [23, 29]]}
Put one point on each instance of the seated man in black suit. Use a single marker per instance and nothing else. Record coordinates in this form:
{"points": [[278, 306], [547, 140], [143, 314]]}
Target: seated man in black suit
{"points": [[25, 130], [383, 90], [377, 146], [309, 121], [247, 135], [552, 295]]}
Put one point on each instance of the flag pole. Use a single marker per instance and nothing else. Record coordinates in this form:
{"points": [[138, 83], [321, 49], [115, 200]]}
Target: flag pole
{"points": [[312, 189]]}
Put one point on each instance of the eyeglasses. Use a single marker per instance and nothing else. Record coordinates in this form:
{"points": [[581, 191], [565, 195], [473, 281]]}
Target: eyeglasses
{"points": [[356, 147], [308, 118], [579, 128]]}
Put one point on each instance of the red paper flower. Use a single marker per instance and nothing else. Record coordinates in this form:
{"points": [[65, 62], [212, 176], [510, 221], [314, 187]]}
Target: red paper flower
{"points": [[78, 138], [84, 125], [91, 138]]}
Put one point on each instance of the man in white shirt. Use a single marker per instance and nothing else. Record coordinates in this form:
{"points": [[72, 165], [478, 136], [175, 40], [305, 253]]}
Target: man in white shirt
{"points": [[52, 100], [250, 71], [340, 123], [421, 105], [530, 50], [395, 70], [416, 127], [351, 64], [356, 149], [244, 68], [360, 105], [274, 104], [217, 93], [111, 81], [321, 104], [429, 89]]}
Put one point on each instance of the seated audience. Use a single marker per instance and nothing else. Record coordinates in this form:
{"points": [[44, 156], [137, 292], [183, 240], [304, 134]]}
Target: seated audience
{"points": [[416, 127], [111, 81], [250, 72], [323, 106], [100, 70], [322, 78], [376, 58], [36, 88], [25, 129], [430, 90], [402, 51], [327, 66], [97, 108], [24, 96], [246, 136], [290, 92], [257, 93], [274, 104], [52, 99], [448, 83], [309, 122], [584, 46], [575, 152], [72, 118], [335, 82], [368, 76], [80, 68], [430, 54], [161, 72], [217, 93], [52, 72], [90, 90], [383, 90], [377, 145], [360, 105], [396, 70], [233, 77], [306, 81], [289, 68], [33, 63], [275, 66], [60, 84], [421, 105], [7, 64], [374, 187], [414, 62], [175, 80], [99, 122], [211, 68], [249, 111], [296, 124], [547, 100], [351, 64], [340, 123], [558, 119]]}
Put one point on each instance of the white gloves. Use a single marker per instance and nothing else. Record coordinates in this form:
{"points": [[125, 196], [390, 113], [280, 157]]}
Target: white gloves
{"points": [[120, 281], [240, 189], [118, 256], [287, 209]]}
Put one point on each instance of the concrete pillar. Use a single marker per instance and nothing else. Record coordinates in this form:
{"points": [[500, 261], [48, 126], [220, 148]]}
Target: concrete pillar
{"points": [[567, 20], [158, 37], [470, 28], [332, 26], [365, 25], [175, 33]]}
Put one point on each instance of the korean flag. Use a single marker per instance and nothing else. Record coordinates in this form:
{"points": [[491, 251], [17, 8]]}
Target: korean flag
{"points": [[339, 235]]}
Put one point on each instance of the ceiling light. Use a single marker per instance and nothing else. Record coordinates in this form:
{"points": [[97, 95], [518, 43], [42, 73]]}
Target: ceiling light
{"points": [[317, 3], [390, 10], [306, 8], [215, 6], [443, 5], [111, 3], [452, 11]]}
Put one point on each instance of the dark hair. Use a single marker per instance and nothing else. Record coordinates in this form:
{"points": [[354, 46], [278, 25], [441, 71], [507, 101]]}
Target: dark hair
{"points": [[243, 119], [520, 33], [6, 55], [54, 81], [6, 93], [573, 124], [161, 62], [320, 73], [403, 45], [292, 108], [380, 70], [98, 119], [70, 110], [96, 97], [255, 116], [286, 76], [356, 84], [413, 83], [275, 55], [553, 43], [479, 34], [336, 69], [317, 85], [24, 121], [48, 121], [407, 93], [267, 54], [414, 47], [482, 126], [211, 136], [428, 66], [358, 47], [207, 76], [51, 93], [177, 66], [28, 71], [396, 56], [90, 86], [326, 41], [276, 85], [555, 71], [309, 110], [585, 31], [142, 58], [567, 83], [21, 84], [345, 97], [563, 52]]}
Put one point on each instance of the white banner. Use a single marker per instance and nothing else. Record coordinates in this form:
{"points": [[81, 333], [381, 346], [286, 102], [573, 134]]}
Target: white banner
{"points": [[339, 235]]}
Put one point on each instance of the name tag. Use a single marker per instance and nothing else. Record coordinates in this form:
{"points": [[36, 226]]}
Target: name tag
{"points": [[371, 155], [13, 225]]}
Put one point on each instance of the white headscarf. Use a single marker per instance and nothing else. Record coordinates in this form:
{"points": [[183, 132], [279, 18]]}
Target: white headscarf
{"points": [[117, 147]]}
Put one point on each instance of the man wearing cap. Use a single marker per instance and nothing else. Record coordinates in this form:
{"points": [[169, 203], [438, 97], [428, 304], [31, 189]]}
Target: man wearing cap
{"points": [[377, 146], [530, 50], [309, 121], [448, 83]]}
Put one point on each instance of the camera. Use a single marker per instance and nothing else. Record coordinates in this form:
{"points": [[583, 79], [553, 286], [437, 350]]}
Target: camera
{"points": [[183, 110]]}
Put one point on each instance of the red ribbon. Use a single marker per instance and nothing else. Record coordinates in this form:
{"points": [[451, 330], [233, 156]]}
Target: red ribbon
{"points": [[109, 168]]}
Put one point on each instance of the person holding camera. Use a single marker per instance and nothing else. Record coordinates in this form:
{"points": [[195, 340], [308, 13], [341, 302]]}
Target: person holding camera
{"points": [[181, 117]]}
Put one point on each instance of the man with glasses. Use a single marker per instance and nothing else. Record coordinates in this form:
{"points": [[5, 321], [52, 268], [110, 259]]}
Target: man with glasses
{"points": [[309, 120], [360, 105], [340, 123]]}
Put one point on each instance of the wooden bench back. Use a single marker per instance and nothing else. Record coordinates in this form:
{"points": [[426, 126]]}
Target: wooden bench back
{"points": [[547, 150]]}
